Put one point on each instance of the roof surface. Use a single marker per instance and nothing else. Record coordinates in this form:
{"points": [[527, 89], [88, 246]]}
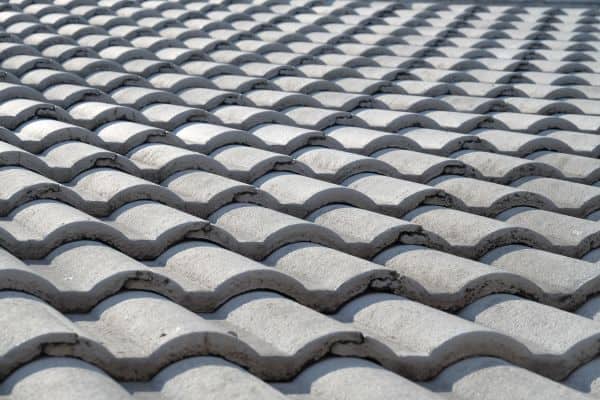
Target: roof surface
{"points": [[299, 200]]}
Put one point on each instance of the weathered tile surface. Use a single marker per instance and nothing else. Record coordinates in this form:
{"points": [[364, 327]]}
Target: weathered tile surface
{"points": [[299, 199]]}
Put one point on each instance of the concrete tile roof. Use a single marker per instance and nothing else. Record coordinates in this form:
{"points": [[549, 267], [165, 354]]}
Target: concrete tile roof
{"points": [[299, 199]]}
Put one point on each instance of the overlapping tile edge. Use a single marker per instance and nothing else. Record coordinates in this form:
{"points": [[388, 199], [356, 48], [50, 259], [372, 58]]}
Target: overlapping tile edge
{"points": [[299, 199]]}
